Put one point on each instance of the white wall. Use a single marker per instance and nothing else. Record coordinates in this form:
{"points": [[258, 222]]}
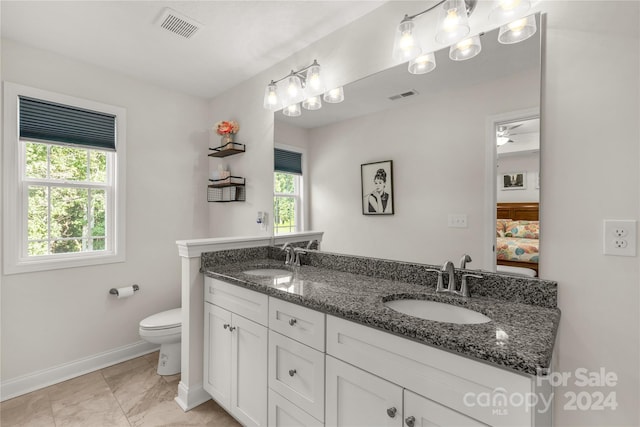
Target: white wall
{"points": [[436, 170], [57, 317], [590, 144], [590, 171]]}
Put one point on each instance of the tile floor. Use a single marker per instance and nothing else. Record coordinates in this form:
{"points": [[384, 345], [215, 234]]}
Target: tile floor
{"points": [[128, 394]]}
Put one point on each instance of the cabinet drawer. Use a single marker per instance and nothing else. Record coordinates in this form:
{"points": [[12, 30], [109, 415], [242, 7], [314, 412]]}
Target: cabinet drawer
{"points": [[250, 304], [283, 413], [297, 373], [438, 375], [428, 413], [297, 322]]}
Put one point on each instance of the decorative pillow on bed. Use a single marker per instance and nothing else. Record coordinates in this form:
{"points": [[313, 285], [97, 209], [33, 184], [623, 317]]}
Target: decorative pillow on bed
{"points": [[526, 229], [501, 226]]}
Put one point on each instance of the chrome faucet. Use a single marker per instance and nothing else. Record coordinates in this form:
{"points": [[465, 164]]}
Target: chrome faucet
{"points": [[289, 253], [448, 269], [464, 260], [296, 256], [310, 243]]}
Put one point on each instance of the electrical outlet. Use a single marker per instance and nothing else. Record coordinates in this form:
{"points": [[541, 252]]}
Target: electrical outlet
{"points": [[457, 221], [620, 237]]}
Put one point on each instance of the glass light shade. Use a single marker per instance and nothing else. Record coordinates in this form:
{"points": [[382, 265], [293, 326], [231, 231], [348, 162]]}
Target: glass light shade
{"points": [[271, 98], [293, 89], [518, 30], [292, 110], [405, 45], [501, 140], [508, 10], [453, 23], [334, 95], [423, 64], [315, 85], [465, 49], [312, 103]]}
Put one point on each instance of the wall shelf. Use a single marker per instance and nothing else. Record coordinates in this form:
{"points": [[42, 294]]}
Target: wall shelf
{"points": [[230, 189], [228, 149]]}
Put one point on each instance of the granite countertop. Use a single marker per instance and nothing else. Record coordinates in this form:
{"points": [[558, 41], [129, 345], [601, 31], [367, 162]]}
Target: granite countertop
{"points": [[519, 337]]}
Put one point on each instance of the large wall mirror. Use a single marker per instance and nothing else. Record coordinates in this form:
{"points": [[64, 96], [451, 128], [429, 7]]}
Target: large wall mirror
{"points": [[440, 130]]}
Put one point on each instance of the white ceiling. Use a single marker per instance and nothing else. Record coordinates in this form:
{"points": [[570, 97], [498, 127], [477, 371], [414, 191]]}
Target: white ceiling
{"points": [[239, 38]]}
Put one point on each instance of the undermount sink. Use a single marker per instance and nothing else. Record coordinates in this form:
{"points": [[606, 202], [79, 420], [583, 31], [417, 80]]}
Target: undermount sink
{"points": [[440, 312], [269, 272]]}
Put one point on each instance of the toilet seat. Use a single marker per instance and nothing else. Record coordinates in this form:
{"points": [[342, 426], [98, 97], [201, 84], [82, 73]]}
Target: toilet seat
{"points": [[164, 332], [163, 321]]}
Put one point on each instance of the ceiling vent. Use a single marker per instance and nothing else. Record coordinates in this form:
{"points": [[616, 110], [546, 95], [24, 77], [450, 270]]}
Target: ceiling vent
{"points": [[178, 23], [403, 95]]}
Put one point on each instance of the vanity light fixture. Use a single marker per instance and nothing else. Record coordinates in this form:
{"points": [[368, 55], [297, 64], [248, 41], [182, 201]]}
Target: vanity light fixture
{"points": [[423, 64], [518, 30], [453, 23], [292, 110], [508, 10], [334, 96], [312, 103], [453, 29], [453, 26], [304, 86], [465, 49]]}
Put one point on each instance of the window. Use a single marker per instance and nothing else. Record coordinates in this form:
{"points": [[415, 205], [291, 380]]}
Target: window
{"points": [[287, 198], [64, 181]]}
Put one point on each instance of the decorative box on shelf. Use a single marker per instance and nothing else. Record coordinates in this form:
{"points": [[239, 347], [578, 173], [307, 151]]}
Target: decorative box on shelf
{"points": [[227, 149], [230, 189]]}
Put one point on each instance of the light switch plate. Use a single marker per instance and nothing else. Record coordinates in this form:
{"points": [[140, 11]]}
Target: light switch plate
{"points": [[619, 237], [457, 221]]}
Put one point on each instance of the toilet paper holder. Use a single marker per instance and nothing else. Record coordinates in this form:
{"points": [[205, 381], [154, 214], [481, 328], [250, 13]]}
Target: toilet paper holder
{"points": [[114, 291]]}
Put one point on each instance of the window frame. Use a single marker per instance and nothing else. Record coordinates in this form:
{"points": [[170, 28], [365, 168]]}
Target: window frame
{"points": [[15, 184], [302, 190], [297, 206]]}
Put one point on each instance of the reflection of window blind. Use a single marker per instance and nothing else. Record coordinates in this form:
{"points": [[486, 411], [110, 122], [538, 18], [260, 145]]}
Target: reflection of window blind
{"points": [[50, 122], [288, 161]]}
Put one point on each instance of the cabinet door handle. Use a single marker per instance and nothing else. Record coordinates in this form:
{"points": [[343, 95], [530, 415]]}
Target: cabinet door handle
{"points": [[292, 372], [292, 321], [392, 412], [411, 421], [232, 328], [226, 325]]}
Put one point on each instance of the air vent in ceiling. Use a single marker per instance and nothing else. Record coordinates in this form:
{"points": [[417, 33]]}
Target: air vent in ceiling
{"points": [[404, 95], [178, 23]]}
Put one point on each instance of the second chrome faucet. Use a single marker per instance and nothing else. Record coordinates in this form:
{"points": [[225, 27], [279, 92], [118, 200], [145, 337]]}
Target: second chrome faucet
{"points": [[452, 288]]}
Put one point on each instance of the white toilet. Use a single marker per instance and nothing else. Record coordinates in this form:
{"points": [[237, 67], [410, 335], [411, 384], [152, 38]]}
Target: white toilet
{"points": [[165, 328]]}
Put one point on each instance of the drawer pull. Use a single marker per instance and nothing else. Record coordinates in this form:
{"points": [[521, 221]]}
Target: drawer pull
{"points": [[292, 372], [292, 321], [411, 421], [392, 412]]}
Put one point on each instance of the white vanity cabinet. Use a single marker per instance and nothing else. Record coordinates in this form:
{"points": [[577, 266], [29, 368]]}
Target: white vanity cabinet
{"points": [[296, 365], [454, 385], [272, 362], [235, 350], [358, 398]]}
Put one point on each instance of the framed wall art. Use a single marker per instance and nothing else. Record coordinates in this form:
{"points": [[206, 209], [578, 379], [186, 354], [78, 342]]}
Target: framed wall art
{"points": [[377, 188], [514, 181]]}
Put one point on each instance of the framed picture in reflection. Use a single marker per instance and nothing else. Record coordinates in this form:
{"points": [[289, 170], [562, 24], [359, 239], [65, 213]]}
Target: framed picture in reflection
{"points": [[513, 181], [377, 188]]}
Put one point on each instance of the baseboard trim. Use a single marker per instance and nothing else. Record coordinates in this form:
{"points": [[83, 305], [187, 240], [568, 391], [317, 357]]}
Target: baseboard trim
{"points": [[190, 397], [46, 377]]}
